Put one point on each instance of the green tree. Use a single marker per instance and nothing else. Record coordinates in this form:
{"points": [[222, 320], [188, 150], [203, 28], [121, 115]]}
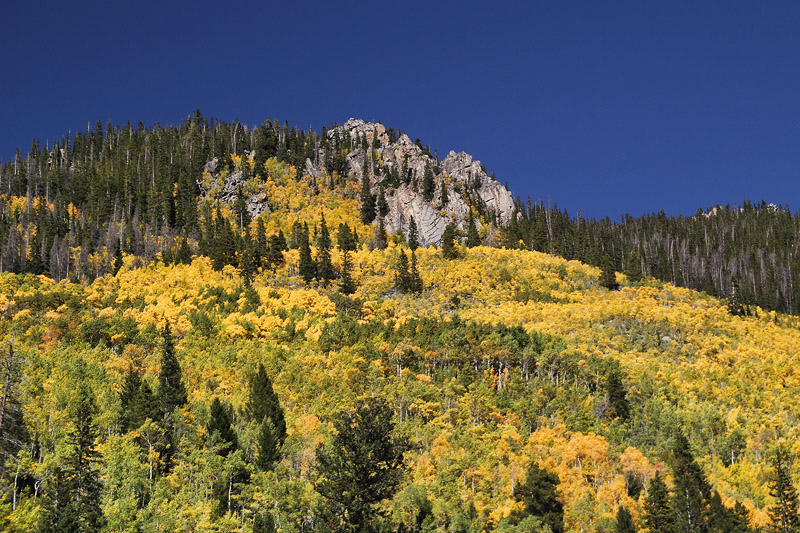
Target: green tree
{"points": [[263, 523], [608, 277], [473, 238], [383, 205], [362, 466], [783, 514], [306, 267], [691, 490], [77, 488], [413, 235], [428, 185], [325, 272], [264, 408], [625, 521], [539, 498], [415, 280], [449, 236], [402, 279], [367, 202], [617, 396], [172, 391], [347, 243], [658, 514], [220, 428]]}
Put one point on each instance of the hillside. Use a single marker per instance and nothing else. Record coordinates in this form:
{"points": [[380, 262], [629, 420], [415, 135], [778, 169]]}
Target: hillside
{"points": [[408, 324], [477, 402]]}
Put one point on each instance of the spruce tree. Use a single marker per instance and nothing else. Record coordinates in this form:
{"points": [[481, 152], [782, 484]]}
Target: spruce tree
{"points": [[539, 498], [263, 523], [625, 521], [367, 202], [415, 279], [783, 514], [172, 390], [449, 236], [274, 255], [383, 205], [658, 514], [346, 243], [413, 235], [325, 271], [428, 185], [402, 279], [617, 396], [608, 277], [220, 428], [128, 396], [13, 433], [691, 490], [473, 238], [362, 466], [78, 489], [264, 408], [306, 267]]}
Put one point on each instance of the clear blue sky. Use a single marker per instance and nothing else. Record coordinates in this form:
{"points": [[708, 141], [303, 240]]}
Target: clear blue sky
{"points": [[606, 107]]}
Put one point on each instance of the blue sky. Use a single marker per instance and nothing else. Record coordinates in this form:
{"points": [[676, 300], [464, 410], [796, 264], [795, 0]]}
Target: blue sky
{"points": [[603, 107]]}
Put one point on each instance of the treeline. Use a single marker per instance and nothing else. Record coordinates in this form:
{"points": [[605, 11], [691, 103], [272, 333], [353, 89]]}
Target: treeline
{"points": [[748, 254]]}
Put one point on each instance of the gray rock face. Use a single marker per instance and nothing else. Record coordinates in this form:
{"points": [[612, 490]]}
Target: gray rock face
{"points": [[462, 176], [225, 190]]}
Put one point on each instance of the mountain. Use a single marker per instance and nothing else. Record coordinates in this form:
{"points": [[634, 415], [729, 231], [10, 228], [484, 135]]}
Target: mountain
{"points": [[212, 327]]}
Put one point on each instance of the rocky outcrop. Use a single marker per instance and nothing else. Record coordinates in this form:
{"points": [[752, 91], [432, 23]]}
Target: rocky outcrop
{"points": [[225, 188], [401, 171]]}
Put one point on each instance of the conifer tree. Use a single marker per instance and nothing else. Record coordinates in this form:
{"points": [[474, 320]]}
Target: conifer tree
{"points": [[325, 272], [608, 277], [184, 254], [473, 238], [362, 466], [172, 391], [219, 427], [691, 491], [274, 255], [383, 205], [625, 521], [347, 243], [783, 514], [539, 498], [264, 408], [263, 523], [13, 433], [415, 279], [658, 514], [306, 266], [448, 242], [428, 185], [78, 488], [617, 396], [413, 235], [402, 278], [367, 202]]}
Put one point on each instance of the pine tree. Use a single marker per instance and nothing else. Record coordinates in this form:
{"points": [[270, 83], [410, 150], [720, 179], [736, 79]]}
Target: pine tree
{"points": [[617, 396], [274, 255], [306, 267], [220, 428], [539, 498], [383, 205], [402, 279], [783, 514], [658, 514], [473, 238], [691, 491], [449, 250], [172, 390], [415, 279], [625, 521], [13, 433], [184, 255], [78, 489], [367, 202], [428, 185], [128, 396], [413, 235], [264, 408], [263, 523], [362, 466], [347, 243], [608, 277], [240, 209], [325, 272]]}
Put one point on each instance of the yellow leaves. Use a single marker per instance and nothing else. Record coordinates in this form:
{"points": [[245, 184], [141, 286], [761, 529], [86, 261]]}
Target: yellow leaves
{"points": [[25, 313]]}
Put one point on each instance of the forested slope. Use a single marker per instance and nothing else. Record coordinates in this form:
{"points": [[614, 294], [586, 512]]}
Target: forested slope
{"points": [[506, 359]]}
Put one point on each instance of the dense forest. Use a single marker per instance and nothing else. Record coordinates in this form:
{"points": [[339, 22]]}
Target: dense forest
{"points": [[170, 362], [67, 209]]}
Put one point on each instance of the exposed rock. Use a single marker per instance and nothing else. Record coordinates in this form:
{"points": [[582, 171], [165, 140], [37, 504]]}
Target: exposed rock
{"points": [[226, 191]]}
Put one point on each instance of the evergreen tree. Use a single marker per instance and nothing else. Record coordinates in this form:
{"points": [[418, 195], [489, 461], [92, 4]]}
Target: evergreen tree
{"points": [[13, 433], [220, 428], [172, 390], [264, 408], [658, 514], [362, 466], [117, 261], [428, 185], [325, 272], [347, 244], [783, 514], [413, 235], [129, 396], [306, 267], [78, 490], [608, 277], [184, 255], [724, 520], [415, 280], [367, 202], [691, 490], [473, 238], [539, 498], [263, 523], [383, 205], [240, 209], [444, 199], [625, 521], [402, 278], [274, 255], [617, 396], [449, 236]]}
